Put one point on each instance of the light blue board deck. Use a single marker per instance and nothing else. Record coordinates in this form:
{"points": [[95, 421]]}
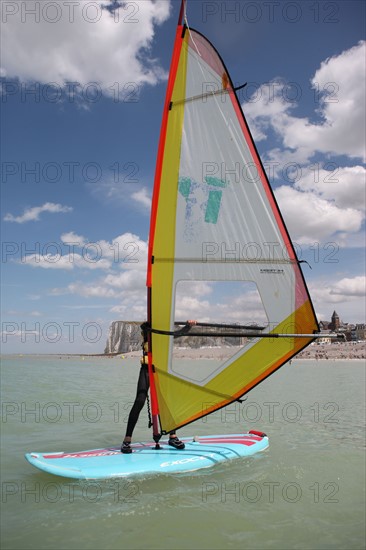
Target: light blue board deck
{"points": [[145, 459]]}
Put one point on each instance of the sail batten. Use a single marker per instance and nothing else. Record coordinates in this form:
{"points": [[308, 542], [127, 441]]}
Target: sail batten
{"points": [[211, 191], [199, 96], [226, 261]]}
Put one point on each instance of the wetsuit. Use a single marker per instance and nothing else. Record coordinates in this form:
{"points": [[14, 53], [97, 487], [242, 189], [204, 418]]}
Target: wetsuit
{"points": [[141, 395]]}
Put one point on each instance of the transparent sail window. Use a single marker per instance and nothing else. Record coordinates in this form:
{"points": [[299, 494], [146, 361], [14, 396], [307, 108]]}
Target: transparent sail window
{"points": [[236, 307]]}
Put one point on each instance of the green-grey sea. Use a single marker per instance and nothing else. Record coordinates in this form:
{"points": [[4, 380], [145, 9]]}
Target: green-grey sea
{"points": [[307, 491]]}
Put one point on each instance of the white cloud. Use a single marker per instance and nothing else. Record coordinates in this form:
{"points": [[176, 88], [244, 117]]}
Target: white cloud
{"points": [[189, 307], [124, 260], [347, 287], [109, 191], [128, 280], [127, 290], [127, 251], [339, 84], [82, 42], [245, 308], [345, 186], [135, 311], [220, 303], [95, 290], [330, 203], [267, 107], [194, 288], [345, 294], [341, 79], [143, 197], [329, 198], [88, 291], [72, 239], [32, 214], [65, 262], [311, 218], [131, 304]]}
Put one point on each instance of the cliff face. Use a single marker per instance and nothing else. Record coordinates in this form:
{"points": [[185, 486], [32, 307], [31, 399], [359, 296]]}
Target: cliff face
{"points": [[207, 341], [124, 336]]}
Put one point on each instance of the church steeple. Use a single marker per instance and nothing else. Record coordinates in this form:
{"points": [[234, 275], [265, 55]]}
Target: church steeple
{"points": [[335, 323]]}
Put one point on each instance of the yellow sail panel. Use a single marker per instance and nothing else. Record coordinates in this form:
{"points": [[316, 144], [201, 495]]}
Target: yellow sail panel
{"points": [[211, 193], [242, 374], [162, 233]]}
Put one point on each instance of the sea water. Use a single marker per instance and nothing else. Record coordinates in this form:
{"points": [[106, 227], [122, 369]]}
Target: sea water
{"points": [[306, 491]]}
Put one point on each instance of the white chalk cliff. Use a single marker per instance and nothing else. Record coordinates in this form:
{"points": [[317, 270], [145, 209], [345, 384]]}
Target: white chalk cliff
{"points": [[124, 336]]}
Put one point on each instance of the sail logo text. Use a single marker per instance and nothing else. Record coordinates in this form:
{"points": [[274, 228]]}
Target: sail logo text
{"points": [[201, 198]]}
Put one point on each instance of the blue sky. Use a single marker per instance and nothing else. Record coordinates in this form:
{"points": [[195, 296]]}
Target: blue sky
{"points": [[82, 96]]}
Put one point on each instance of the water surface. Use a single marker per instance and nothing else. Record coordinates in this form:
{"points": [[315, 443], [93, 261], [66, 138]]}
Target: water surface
{"points": [[306, 491]]}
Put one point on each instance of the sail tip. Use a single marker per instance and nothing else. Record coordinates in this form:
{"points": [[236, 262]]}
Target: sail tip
{"points": [[182, 12]]}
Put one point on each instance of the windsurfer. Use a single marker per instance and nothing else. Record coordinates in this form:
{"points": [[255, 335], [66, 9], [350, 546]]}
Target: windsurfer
{"points": [[141, 396]]}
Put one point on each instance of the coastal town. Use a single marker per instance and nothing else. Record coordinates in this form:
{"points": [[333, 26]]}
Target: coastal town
{"points": [[339, 340], [351, 343], [351, 332]]}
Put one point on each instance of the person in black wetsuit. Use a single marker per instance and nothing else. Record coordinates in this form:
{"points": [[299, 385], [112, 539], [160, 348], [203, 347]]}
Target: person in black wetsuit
{"points": [[143, 385]]}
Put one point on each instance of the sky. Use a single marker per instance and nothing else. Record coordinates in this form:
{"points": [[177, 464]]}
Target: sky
{"points": [[82, 92]]}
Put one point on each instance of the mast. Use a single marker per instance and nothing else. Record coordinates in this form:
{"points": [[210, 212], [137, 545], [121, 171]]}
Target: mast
{"points": [[182, 12], [158, 170]]}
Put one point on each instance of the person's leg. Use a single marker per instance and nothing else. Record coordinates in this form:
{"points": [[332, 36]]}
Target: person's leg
{"points": [[141, 394]]}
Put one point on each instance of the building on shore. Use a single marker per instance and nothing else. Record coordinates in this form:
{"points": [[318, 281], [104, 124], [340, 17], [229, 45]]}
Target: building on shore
{"points": [[335, 322], [360, 331], [351, 332]]}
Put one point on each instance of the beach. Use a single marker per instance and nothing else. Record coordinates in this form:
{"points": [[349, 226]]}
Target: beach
{"points": [[335, 351]]}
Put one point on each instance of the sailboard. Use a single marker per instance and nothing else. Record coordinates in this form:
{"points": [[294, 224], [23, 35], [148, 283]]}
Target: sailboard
{"points": [[145, 459], [211, 198]]}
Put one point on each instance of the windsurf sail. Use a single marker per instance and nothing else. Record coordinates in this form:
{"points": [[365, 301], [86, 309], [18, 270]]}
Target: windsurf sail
{"points": [[212, 197]]}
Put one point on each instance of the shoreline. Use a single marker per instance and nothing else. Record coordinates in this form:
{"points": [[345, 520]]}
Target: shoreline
{"points": [[338, 351], [318, 352]]}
